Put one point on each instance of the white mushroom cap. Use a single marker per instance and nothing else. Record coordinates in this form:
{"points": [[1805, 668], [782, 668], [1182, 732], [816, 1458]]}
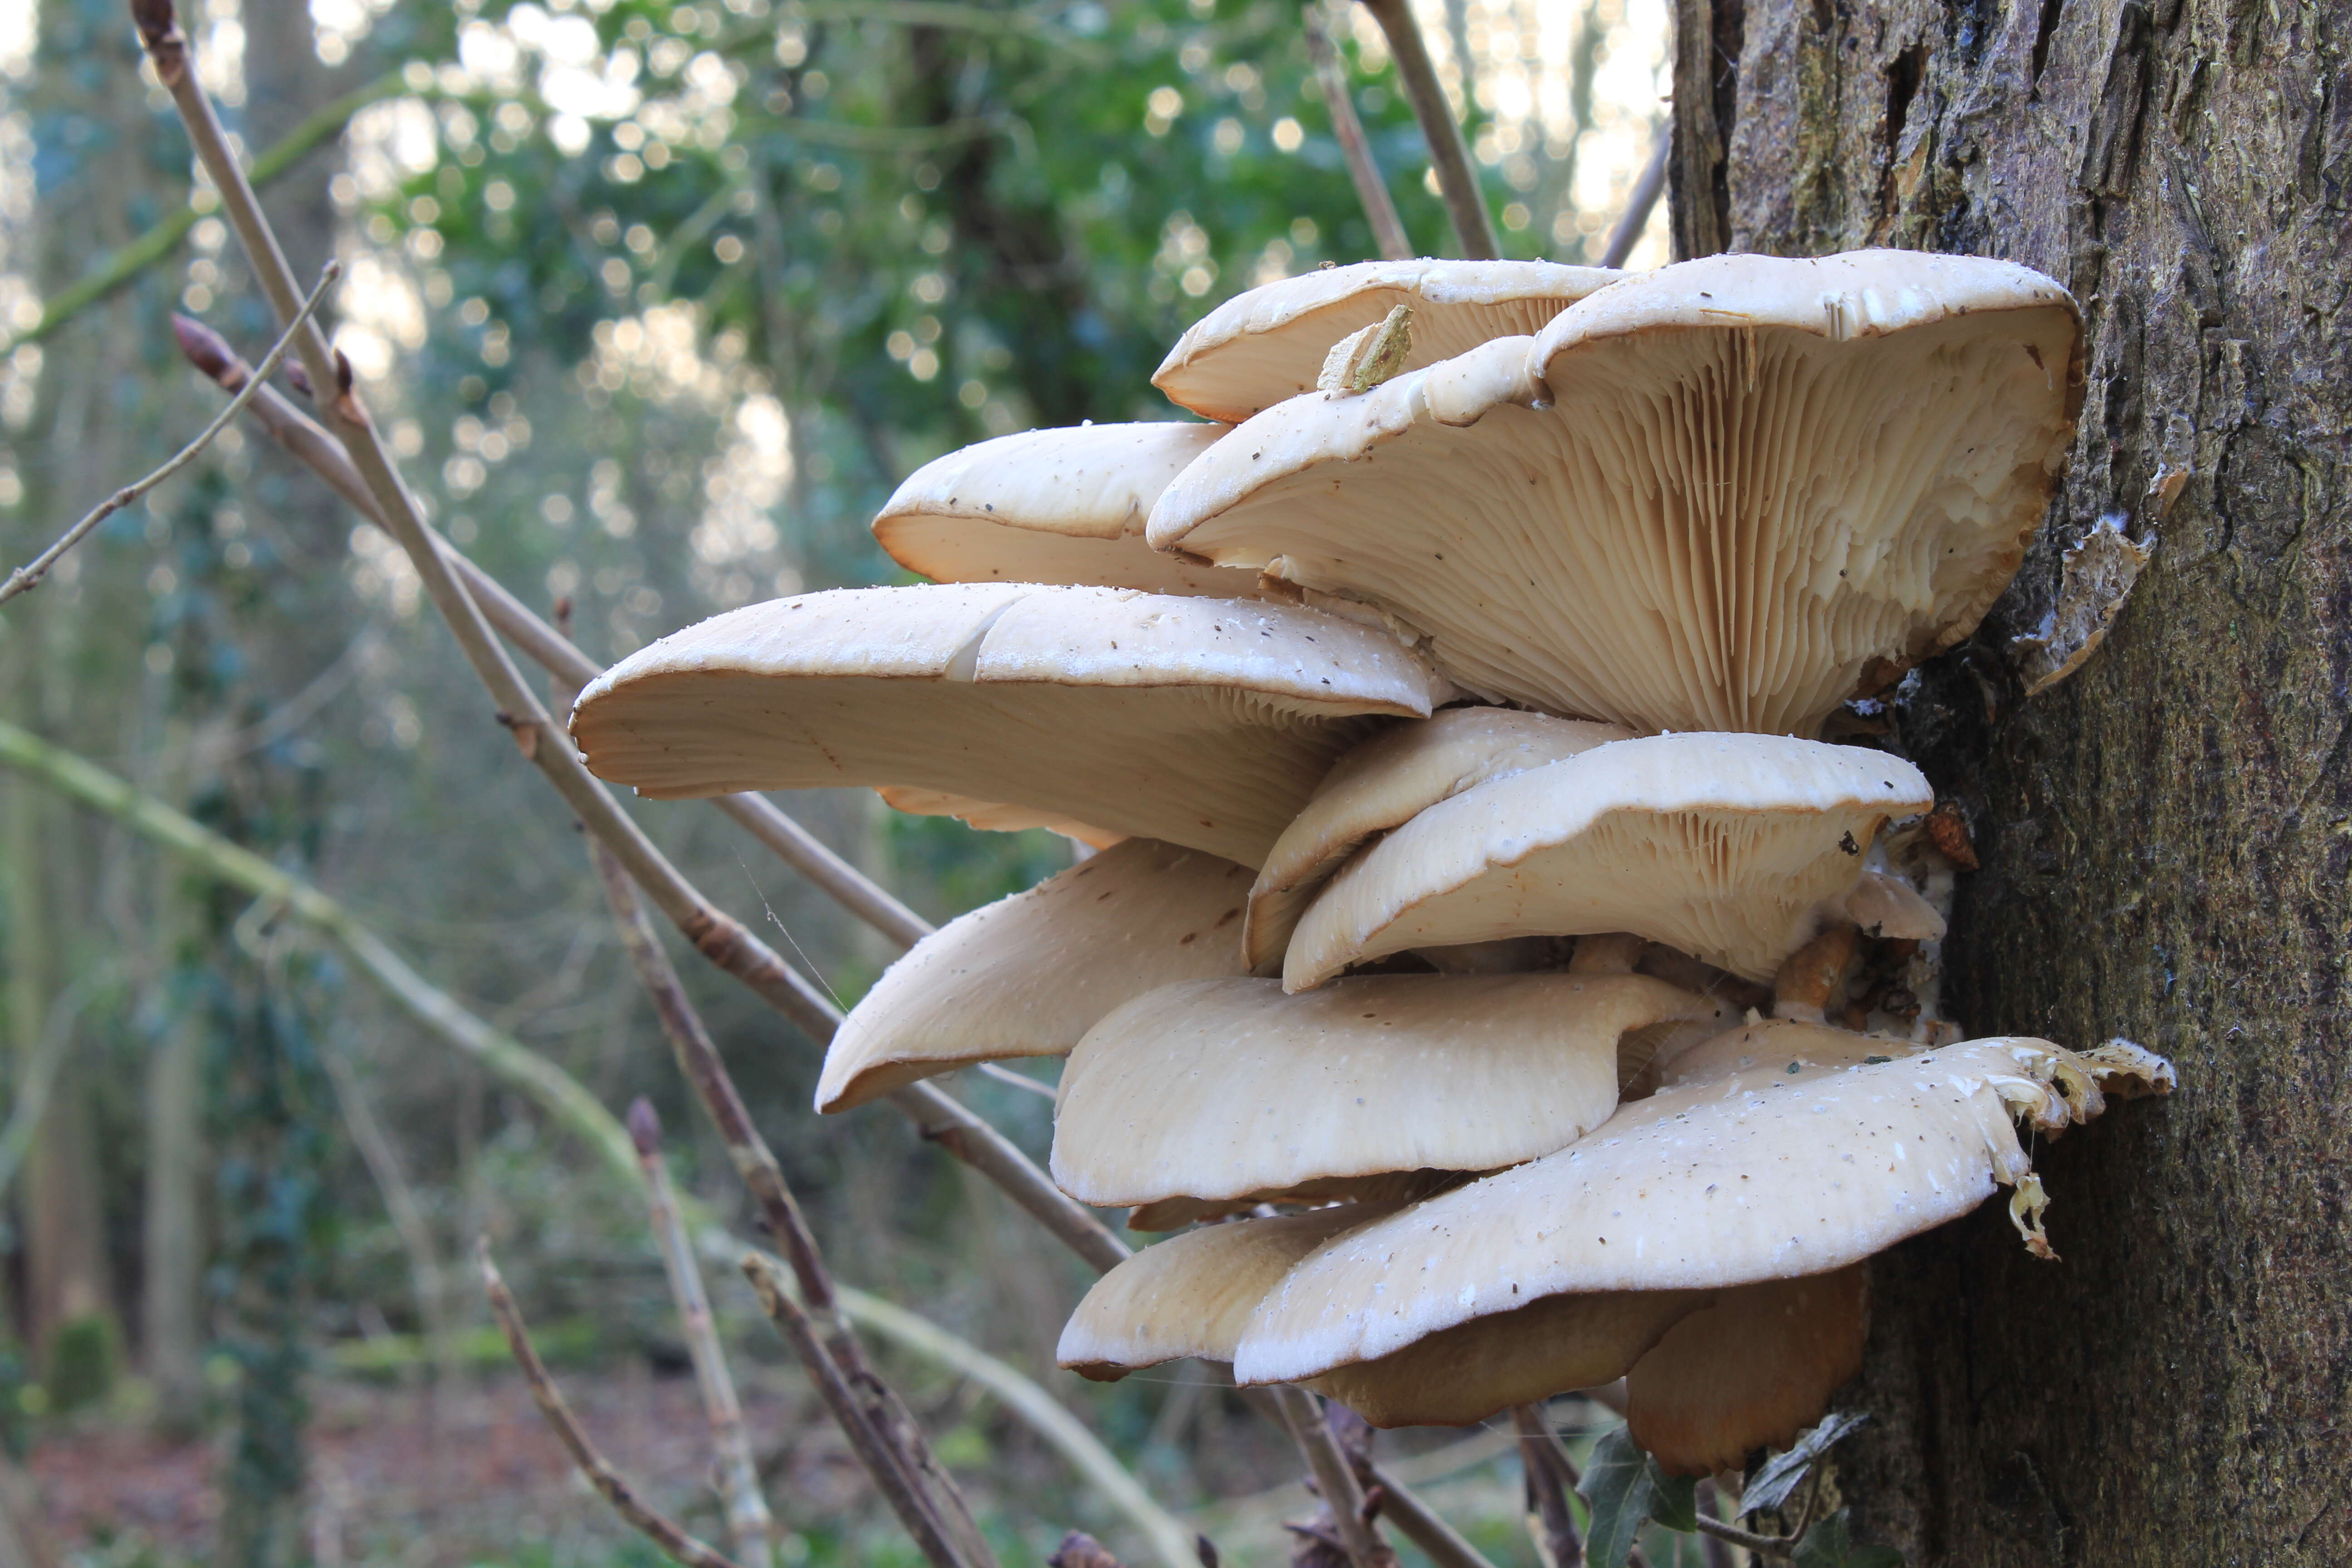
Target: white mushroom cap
{"points": [[1265, 345], [1191, 1295], [1216, 1089], [1052, 506], [1751, 1177], [1796, 1050], [1030, 975], [1749, 1371], [1204, 722], [1723, 495], [1470, 1372], [1385, 783], [917, 801], [1723, 846]]}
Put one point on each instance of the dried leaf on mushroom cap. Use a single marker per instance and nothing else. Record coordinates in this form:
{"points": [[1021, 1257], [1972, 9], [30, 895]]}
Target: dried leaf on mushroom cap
{"points": [[1052, 506], [1028, 976], [989, 816], [1216, 1089], [1190, 1296], [1750, 1177], [1723, 495], [1204, 722], [1749, 1371], [1383, 784], [1268, 344], [1724, 847]]}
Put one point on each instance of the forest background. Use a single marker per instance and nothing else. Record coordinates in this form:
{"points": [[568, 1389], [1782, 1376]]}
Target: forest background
{"points": [[657, 303]]}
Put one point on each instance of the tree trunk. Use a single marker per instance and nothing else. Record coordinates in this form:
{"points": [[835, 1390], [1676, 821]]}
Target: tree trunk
{"points": [[2166, 836]]}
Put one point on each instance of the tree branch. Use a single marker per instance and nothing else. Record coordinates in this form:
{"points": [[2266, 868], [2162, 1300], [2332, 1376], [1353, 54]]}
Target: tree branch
{"points": [[749, 1522], [1331, 72], [1640, 201], [1335, 1477], [1762, 1545], [1421, 1525], [1457, 177], [1550, 1478], [610, 1484], [29, 575]]}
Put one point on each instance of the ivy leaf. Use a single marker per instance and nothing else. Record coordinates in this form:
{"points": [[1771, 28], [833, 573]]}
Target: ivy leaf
{"points": [[1771, 1485], [1674, 1499], [1617, 1488], [1830, 1544]]}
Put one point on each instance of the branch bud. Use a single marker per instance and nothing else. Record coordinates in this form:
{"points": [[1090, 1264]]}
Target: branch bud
{"points": [[645, 1127]]}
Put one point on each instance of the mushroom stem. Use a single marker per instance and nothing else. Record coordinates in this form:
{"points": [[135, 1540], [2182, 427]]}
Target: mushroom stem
{"points": [[1810, 976], [1473, 232], [1606, 953]]}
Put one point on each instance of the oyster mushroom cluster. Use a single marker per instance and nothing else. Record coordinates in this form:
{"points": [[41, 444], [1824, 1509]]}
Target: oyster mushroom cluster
{"points": [[1442, 708]]}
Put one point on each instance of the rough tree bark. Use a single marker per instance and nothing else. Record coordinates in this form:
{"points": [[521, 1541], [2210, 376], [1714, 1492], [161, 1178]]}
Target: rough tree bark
{"points": [[2166, 836]]}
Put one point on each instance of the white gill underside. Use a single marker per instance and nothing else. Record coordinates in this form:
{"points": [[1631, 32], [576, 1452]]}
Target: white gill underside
{"points": [[1726, 543], [1208, 768], [1738, 889]]}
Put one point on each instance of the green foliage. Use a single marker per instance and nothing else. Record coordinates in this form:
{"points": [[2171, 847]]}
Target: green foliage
{"points": [[1780, 1476], [85, 1355], [1625, 1489]]}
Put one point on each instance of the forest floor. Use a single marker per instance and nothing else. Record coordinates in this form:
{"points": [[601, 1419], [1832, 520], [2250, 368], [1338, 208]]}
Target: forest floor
{"points": [[398, 1476]]}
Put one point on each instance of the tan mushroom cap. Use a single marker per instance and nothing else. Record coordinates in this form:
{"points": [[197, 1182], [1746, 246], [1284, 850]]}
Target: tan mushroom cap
{"points": [[986, 814], [1474, 1370], [1724, 847], [1217, 1088], [1750, 1177], [1052, 506], [1384, 784], [1723, 495], [1204, 722], [1268, 344], [1750, 1371], [1191, 1295], [1028, 976]]}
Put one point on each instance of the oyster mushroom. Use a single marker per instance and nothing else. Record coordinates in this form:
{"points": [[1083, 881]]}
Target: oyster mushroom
{"points": [[1723, 846], [1028, 976], [1201, 722], [1384, 784], [1220, 1088], [1052, 506], [1725, 495], [1269, 344]]}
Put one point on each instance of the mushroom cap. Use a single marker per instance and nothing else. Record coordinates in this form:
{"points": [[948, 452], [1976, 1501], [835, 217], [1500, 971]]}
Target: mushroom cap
{"points": [[1268, 344], [1723, 846], [1723, 495], [1385, 783], [1757, 1176], [989, 816], [1217, 1088], [1191, 1295], [1793, 1047], [1750, 1371], [1052, 506], [1473, 1369], [1205, 722], [1028, 976]]}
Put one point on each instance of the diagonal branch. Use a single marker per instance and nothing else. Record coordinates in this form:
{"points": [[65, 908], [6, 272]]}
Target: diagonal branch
{"points": [[614, 1488], [1331, 72], [1640, 201], [1551, 1476], [1457, 177], [29, 576]]}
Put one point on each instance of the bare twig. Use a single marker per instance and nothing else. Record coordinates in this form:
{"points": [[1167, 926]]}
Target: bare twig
{"points": [[29, 575], [400, 1204], [1457, 178], [1335, 1477], [1762, 1545], [1420, 1525], [749, 1522], [1550, 1477], [1640, 201], [1379, 207], [609, 1483]]}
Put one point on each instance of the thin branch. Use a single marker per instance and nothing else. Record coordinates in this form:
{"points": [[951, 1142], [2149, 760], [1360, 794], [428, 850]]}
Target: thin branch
{"points": [[1335, 1477], [749, 1522], [610, 1484], [1762, 1545], [1640, 201], [1457, 177], [35, 1079], [401, 1207], [29, 575], [1551, 1476], [1331, 72], [1420, 1525]]}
